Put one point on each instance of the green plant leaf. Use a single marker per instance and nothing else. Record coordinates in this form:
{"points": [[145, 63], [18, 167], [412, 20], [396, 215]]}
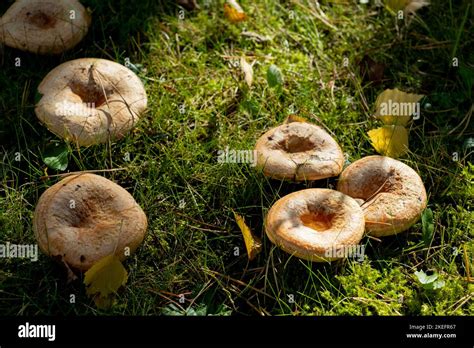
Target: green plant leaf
{"points": [[274, 76], [424, 278], [438, 284], [55, 156], [429, 282], [427, 225]]}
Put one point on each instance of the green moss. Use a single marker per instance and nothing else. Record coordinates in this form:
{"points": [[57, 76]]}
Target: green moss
{"points": [[370, 291]]}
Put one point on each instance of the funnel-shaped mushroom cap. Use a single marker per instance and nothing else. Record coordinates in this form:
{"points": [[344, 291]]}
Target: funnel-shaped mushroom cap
{"points": [[298, 151], [316, 224], [44, 26], [391, 193], [86, 217], [87, 100]]}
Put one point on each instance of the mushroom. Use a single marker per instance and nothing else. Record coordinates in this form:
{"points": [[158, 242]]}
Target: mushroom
{"points": [[315, 224], [86, 217], [391, 193], [298, 151], [44, 27], [88, 100]]}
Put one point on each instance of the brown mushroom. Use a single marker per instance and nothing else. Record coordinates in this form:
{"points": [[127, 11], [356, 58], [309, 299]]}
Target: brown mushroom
{"points": [[86, 217], [298, 151], [88, 100], [315, 224], [45, 26], [391, 193]]}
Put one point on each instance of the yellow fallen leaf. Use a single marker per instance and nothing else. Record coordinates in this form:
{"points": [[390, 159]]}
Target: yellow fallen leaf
{"points": [[408, 6], [295, 118], [396, 5], [234, 12], [390, 141], [247, 70], [395, 107], [104, 278], [252, 243]]}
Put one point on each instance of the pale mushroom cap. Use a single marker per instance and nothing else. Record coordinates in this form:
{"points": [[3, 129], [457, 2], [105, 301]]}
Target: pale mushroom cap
{"points": [[86, 217], [298, 151], [44, 26], [314, 224], [393, 194], [87, 100]]}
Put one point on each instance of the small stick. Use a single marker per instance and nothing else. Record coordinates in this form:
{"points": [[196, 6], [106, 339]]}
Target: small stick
{"points": [[82, 172]]}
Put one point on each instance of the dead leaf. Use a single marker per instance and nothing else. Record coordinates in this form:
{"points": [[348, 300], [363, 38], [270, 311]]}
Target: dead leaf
{"points": [[234, 12], [391, 141], [252, 243], [295, 118], [408, 6], [104, 278], [395, 107], [247, 69]]}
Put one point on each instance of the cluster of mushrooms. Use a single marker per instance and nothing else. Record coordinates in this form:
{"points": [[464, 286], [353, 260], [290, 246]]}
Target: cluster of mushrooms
{"points": [[86, 101], [376, 194]]}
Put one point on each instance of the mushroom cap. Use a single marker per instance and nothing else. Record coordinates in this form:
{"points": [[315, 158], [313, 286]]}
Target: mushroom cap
{"points": [[87, 100], [298, 151], [393, 193], [86, 217], [44, 26], [314, 224]]}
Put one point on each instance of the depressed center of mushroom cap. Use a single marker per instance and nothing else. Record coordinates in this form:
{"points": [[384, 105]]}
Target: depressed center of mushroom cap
{"points": [[380, 181], [319, 214], [317, 221], [91, 92], [90, 213], [41, 19], [295, 144]]}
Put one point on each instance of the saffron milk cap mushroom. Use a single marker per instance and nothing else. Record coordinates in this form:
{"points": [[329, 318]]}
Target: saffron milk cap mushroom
{"points": [[85, 217], [298, 151], [88, 100], [315, 224], [392, 194], [44, 26]]}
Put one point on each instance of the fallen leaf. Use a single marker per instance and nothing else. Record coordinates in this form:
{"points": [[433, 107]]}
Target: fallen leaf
{"points": [[274, 76], [247, 70], [408, 6], [295, 118], [104, 278], [252, 243], [390, 140], [395, 107], [396, 5], [234, 12]]}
